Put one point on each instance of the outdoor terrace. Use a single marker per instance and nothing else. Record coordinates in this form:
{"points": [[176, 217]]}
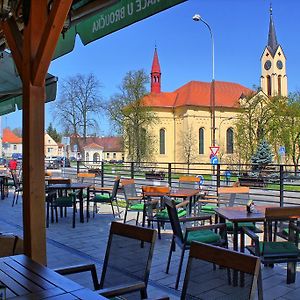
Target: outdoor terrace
{"points": [[87, 242]]}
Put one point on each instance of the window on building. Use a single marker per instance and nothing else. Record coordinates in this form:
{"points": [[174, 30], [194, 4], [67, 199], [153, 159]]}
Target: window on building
{"points": [[201, 140], [87, 157], [279, 85], [162, 141], [49, 150], [114, 155], [15, 147], [269, 85], [229, 141], [107, 155]]}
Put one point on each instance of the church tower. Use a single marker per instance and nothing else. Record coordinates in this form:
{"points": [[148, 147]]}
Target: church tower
{"points": [[273, 66], [155, 74]]}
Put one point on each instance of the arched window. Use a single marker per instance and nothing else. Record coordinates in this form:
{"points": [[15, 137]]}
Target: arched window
{"points": [[87, 157], [201, 140], [96, 157], [162, 141], [229, 141], [269, 85], [279, 85]]}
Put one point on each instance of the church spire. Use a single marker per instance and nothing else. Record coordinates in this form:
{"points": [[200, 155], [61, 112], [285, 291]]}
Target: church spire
{"points": [[155, 74], [272, 39]]}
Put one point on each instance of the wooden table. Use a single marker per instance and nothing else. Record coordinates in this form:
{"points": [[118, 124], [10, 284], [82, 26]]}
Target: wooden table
{"points": [[237, 214], [74, 186], [178, 193], [26, 279]]}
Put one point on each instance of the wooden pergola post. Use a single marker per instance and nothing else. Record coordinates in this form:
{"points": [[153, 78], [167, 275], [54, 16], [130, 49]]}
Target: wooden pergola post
{"points": [[32, 51]]}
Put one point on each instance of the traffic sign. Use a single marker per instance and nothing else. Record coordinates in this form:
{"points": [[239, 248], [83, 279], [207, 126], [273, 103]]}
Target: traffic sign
{"points": [[281, 150], [214, 160], [214, 150]]}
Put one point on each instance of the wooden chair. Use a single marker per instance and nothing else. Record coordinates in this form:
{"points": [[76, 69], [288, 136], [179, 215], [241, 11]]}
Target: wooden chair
{"points": [[212, 234], [189, 182], [134, 202], [215, 264], [272, 251], [10, 245], [106, 196], [126, 264]]}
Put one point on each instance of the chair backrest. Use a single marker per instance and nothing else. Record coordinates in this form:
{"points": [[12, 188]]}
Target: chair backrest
{"points": [[115, 187], [128, 255], [234, 195], [10, 245], [58, 180], [15, 178], [201, 271], [282, 213], [129, 188], [86, 177], [163, 190], [189, 182], [174, 220]]}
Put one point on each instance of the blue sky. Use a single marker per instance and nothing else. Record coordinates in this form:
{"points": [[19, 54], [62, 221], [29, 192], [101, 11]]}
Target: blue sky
{"points": [[240, 31]]}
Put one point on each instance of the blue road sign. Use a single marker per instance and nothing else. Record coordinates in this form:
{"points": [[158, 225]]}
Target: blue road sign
{"points": [[214, 160], [281, 150]]}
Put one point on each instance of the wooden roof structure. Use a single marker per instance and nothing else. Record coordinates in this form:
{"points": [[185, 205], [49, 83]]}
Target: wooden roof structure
{"points": [[31, 30]]}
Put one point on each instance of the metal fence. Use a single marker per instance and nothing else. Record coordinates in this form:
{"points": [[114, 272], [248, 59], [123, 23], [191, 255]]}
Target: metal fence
{"points": [[278, 184]]}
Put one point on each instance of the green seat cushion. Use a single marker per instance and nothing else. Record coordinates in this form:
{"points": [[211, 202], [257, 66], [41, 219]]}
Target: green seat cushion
{"points": [[137, 206], [101, 197], [203, 236], [286, 231], [285, 249], [249, 225], [208, 208], [164, 214]]}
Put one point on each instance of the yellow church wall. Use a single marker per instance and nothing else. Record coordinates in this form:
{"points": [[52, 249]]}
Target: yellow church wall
{"points": [[182, 125]]}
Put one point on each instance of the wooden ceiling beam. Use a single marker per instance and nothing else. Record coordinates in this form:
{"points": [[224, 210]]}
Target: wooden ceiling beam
{"points": [[14, 40], [58, 14]]}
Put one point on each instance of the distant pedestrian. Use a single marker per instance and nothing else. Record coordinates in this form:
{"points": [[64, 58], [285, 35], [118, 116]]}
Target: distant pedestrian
{"points": [[12, 165], [227, 175]]}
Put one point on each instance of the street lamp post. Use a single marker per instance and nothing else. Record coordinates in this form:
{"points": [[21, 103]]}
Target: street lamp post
{"points": [[197, 18]]}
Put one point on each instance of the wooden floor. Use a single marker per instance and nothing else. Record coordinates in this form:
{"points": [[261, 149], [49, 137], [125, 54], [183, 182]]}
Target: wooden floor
{"points": [[87, 242]]}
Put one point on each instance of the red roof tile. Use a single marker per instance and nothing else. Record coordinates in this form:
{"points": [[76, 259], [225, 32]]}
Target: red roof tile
{"points": [[10, 137], [93, 146], [197, 93]]}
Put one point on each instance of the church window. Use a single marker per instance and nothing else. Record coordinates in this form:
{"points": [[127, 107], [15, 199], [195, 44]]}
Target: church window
{"points": [[162, 141], [269, 85], [279, 85], [229, 141], [201, 140], [87, 157]]}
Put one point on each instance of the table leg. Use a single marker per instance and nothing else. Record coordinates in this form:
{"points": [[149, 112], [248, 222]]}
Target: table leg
{"points": [[2, 188], [88, 205], [235, 248], [81, 206]]}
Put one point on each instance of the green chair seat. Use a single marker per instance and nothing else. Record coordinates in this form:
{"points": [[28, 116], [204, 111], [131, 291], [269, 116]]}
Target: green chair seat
{"points": [[137, 206], [101, 198], [286, 232], [285, 249], [209, 208], [249, 225], [203, 236], [164, 214]]}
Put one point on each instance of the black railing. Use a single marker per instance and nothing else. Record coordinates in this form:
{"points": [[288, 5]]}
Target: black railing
{"points": [[277, 184]]}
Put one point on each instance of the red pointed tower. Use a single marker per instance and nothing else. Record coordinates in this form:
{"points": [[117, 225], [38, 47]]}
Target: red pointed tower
{"points": [[155, 74]]}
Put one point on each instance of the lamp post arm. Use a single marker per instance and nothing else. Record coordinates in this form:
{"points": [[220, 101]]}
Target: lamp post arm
{"points": [[213, 48]]}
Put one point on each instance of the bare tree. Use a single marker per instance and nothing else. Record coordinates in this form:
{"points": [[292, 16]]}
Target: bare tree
{"points": [[188, 143], [78, 104]]}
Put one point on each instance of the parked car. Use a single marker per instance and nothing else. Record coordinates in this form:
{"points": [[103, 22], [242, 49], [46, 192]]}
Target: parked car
{"points": [[17, 156], [3, 161], [57, 162]]}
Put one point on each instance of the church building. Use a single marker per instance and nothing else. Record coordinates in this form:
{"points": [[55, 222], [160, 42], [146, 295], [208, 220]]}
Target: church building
{"points": [[184, 130]]}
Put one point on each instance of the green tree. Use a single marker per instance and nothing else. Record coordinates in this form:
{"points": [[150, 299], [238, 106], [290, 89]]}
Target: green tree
{"points": [[133, 119], [53, 133], [262, 157]]}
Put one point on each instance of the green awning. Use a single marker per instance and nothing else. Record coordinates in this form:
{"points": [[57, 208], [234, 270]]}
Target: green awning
{"points": [[11, 85], [110, 19]]}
